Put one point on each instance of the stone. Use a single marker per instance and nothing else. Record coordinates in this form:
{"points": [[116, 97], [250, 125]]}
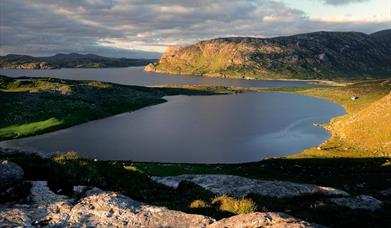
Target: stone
{"points": [[241, 186], [79, 189], [110, 209], [10, 174], [97, 209], [358, 202], [261, 219], [386, 192]]}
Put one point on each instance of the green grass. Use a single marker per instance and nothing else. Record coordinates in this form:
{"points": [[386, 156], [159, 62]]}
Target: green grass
{"points": [[365, 131], [17, 131]]}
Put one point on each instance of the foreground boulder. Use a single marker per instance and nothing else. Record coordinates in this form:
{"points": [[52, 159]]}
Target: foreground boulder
{"points": [[358, 202], [10, 174], [258, 219], [241, 186], [97, 209], [109, 209]]}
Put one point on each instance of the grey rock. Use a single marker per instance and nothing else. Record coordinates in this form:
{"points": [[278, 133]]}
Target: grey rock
{"points": [[386, 192], [10, 174], [79, 189], [107, 209], [46, 208], [358, 202], [258, 219], [241, 186], [110, 209], [97, 209]]}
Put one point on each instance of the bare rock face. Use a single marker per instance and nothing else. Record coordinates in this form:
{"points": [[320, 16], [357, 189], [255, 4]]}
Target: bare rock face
{"points": [[241, 186], [258, 219], [10, 174], [46, 208], [359, 202], [109, 209], [97, 209]]}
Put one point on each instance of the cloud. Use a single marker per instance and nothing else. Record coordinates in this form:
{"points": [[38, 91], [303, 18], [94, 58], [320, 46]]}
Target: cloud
{"points": [[342, 2], [124, 27]]}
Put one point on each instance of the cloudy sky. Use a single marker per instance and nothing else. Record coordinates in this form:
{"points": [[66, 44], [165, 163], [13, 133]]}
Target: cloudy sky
{"points": [[140, 28]]}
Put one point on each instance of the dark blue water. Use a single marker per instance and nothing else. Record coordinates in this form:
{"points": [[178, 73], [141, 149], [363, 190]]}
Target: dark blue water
{"points": [[198, 129]]}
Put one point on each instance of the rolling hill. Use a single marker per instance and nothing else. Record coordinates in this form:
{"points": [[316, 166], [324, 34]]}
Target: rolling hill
{"points": [[72, 60], [318, 55]]}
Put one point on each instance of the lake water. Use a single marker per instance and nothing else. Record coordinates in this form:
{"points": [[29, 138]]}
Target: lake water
{"points": [[136, 76], [193, 129]]}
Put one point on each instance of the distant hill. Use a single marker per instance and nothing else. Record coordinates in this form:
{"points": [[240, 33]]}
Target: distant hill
{"points": [[72, 60], [318, 55]]}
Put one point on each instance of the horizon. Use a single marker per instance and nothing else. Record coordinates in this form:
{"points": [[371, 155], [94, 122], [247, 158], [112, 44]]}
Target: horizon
{"points": [[132, 29], [160, 53]]}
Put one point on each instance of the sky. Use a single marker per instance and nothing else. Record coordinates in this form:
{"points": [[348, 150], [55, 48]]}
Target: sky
{"points": [[144, 28]]}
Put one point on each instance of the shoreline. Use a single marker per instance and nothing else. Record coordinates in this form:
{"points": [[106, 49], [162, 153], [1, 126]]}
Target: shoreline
{"points": [[43, 155], [310, 81]]}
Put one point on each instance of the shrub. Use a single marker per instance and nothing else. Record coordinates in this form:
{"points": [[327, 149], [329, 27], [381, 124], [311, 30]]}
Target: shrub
{"points": [[236, 206], [199, 204]]}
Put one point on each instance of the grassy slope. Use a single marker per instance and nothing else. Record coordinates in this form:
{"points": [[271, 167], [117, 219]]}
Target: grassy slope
{"points": [[366, 129], [35, 106]]}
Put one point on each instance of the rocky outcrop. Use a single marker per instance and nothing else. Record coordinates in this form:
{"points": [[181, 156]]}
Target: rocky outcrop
{"points": [[258, 219], [97, 209], [10, 174], [358, 202], [241, 186], [318, 55], [109, 209]]}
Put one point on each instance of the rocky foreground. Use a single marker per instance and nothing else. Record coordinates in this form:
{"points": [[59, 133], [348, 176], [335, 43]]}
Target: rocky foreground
{"points": [[107, 209], [93, 207]]}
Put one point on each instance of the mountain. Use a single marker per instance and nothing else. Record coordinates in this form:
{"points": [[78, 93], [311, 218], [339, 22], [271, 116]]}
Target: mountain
{"points": [[317, 55], [72, 60]]}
